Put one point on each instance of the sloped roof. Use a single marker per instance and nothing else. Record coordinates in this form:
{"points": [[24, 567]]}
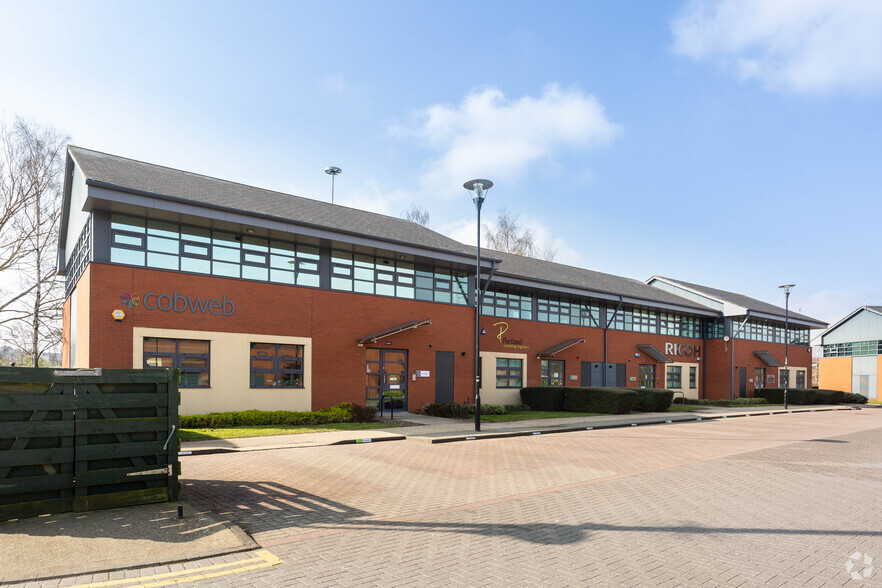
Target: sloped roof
{"points": [[558, 273], [741, 300], [164, 182]]}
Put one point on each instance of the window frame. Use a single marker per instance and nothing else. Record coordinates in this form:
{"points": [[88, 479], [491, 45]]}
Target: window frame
{"points": [[277, 371], [177, 356], [545, 370], [507, 373]]}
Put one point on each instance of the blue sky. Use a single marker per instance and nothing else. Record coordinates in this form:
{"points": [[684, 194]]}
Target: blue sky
{"points": [[732, 143]]}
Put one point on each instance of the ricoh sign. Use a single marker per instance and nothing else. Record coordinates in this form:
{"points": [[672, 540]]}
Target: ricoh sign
{"points": [[682, 350], [174, 302]]}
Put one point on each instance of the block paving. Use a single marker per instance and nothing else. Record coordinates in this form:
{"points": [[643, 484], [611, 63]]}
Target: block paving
{"points": [[781, 500]]}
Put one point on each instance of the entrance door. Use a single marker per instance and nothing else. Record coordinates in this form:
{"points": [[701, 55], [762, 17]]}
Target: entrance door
{"points": [[646, 376], [742, 382], [386, 375], [443, 376]]}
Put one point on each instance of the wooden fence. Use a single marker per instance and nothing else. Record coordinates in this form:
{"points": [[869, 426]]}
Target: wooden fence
{"points": [[75, 440]]}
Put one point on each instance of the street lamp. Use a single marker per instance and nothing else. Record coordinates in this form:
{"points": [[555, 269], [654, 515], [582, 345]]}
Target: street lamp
{"points": [[478, 188], [333, 172], [787, 288]]}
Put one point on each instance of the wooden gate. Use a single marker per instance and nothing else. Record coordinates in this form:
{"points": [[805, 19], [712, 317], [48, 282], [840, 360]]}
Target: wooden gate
{"points": [[75, 440]]}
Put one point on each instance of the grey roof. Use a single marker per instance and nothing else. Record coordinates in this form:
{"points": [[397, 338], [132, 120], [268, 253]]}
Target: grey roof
{"points": [[128, 175], [164, 182], [557, 273], [742, 300]]}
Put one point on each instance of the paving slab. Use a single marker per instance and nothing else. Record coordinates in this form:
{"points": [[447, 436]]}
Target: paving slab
{"points": [[121, 538]]}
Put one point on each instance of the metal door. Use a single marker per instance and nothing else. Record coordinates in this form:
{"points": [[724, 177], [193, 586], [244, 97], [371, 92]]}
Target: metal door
{"points": [[443, 376], [742, 382]]}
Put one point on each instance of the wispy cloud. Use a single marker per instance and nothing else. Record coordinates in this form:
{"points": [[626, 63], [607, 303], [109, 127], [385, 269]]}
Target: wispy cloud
{"points": [[803, 46], [487, 135]]}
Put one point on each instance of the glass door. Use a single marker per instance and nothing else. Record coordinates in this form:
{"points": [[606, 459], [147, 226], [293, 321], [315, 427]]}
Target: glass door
{"points": [[646, 376], [386, 375]]}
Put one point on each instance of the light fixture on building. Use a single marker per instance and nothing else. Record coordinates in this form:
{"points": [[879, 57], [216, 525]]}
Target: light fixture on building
{"points": [[478, 189], [333, 172], [786, 288]]}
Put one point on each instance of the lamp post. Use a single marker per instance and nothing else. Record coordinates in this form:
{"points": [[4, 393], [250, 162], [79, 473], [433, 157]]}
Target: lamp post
{"points": [[787, 288], [333, 172], [478, 188]]}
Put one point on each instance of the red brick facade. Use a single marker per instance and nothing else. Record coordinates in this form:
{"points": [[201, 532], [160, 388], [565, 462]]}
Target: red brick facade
{"points": [[334, 320]]}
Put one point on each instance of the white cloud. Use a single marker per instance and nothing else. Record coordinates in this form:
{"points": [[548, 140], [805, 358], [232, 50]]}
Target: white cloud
{"points": [[804, 46], [489, 136]]}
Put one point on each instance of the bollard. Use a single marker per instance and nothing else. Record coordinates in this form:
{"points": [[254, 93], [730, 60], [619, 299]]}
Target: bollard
{"points": [[180, 511]]}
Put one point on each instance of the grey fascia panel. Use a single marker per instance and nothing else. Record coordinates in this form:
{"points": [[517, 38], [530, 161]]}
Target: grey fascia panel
{"points": [[65, 213], [610, 296], [99, 193]]}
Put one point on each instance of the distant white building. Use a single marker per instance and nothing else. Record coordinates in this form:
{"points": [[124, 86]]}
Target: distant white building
{"points": [[852, 358]]}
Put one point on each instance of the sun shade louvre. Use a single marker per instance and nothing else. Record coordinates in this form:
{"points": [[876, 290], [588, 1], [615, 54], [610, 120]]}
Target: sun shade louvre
{"points": [[393, 330], [767, 358], [655, 353], [560, 347]]}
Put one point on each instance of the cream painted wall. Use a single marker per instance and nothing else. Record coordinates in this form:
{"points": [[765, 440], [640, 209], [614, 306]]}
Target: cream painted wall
{"points": [[230, 373], [684, 379], [490, 394]]}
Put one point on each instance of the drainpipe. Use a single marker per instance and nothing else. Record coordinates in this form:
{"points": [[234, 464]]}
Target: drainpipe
{"points": [[605, 331]]}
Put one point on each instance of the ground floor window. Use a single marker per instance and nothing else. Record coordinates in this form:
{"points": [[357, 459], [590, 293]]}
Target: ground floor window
{"points": [[675, 376], [509, 372], [276, 365], [693, 377], [191, 356], [552, 372]]}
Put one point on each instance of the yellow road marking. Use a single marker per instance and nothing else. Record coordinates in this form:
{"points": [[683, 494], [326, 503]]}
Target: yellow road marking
{"points": [[264, 559]]}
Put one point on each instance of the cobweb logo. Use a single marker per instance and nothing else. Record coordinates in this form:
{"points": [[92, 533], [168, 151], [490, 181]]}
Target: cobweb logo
{"points": [[859, 565]]}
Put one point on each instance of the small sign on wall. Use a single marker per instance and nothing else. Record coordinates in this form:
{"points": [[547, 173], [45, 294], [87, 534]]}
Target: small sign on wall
{"points": [[770, 378], [572, 378], [423, 373], [632, 379]]}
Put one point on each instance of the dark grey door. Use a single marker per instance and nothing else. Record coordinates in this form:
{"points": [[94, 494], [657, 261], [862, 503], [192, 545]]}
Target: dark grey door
{"points": [[742, 382], [597, 374], [443, 376]]}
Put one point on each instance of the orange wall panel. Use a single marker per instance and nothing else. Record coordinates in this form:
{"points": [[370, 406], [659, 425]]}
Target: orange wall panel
{"points": [[834, 373]]}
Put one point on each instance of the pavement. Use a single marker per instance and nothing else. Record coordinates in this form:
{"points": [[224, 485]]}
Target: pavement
{"points": [[734, 501], [438, 430]]}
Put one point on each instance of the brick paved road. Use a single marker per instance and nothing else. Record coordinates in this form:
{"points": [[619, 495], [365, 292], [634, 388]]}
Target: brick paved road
{"points": [[771, 500]]}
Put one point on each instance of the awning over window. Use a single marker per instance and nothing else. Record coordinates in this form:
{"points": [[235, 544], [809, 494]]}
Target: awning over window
{"points": [[393, 330], [654, 353], [767, 358], [552, 351]]}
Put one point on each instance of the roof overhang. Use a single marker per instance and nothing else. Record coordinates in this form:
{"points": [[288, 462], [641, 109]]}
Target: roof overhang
{"points": [[767, 358], [654, 353], [393, 331], [552, 351]]}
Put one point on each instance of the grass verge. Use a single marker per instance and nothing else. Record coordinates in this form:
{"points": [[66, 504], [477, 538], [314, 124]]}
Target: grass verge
{"points": [[268, 430], [526, 415]]}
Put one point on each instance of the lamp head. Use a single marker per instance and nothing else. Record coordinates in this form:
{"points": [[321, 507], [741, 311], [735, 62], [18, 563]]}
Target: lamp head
{"points": [[333, 171], [478, 188], [787, 288]]}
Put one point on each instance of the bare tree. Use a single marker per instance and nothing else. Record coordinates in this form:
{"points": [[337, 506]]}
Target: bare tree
{"points": [[508, 236], [30, 190], [416, 214]]}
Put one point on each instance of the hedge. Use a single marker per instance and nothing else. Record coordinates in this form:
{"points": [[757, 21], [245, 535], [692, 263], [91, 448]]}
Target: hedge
{"points": [[602, 400], [452, 410], [544, 398], [829, 396], [850, 398], [794, 395], [342, 413], [653, 399]]}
